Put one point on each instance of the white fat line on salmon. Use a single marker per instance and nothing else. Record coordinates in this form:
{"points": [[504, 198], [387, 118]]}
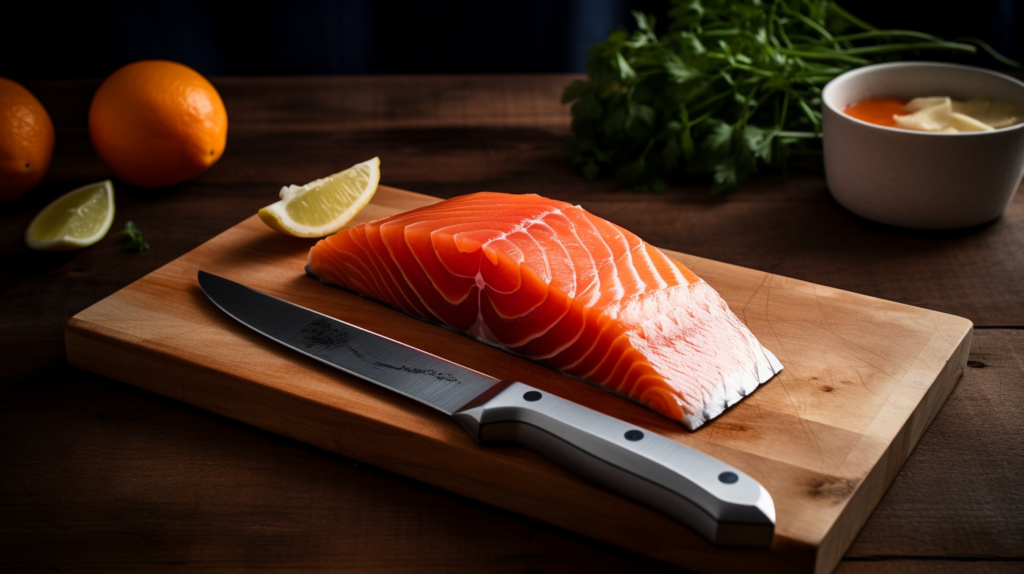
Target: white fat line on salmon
{"points": [[377, 257], [593, 348], [426, 273], [479, 329], [566, 257], [490, 342], [478, 278], [622, 357], [568, 343], [377, 260], [340, 259], [617, 290], [593, 286], [672, 265], [660, 282], [523, 226], [523, 232], [626, 254], [411, 284], [746, 366]]}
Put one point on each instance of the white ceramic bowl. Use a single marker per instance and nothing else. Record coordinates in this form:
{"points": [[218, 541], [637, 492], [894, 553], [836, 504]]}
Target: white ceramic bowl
{"points": [[918, 179]]}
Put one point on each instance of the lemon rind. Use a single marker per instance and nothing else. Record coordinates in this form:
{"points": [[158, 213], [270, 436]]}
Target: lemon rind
{"points": [[275, 216]]}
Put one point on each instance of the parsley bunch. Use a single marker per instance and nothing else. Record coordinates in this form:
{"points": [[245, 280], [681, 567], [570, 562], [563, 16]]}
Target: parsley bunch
{"points": [[731, 86]]}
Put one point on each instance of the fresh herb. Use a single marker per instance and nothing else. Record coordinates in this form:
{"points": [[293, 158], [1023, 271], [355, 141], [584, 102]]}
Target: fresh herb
{"points": [[135, 241], [731, 86]]}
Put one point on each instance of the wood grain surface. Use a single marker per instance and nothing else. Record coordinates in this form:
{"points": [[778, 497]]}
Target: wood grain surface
{"points": [[93, 479], [864, 378]]}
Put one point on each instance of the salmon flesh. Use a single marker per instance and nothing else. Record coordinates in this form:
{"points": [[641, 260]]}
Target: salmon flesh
{"points": [[551, 282]]}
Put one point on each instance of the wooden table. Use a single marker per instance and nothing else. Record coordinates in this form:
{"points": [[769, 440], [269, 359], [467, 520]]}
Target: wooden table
{"points": [[98, 475]]}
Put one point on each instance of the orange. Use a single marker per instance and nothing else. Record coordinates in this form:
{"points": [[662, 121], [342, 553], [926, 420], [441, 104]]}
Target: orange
{"points": [[157, 123], [26, 140]]}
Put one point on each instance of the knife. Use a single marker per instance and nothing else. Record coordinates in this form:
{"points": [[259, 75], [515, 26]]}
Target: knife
{"points": [[717, 501]]}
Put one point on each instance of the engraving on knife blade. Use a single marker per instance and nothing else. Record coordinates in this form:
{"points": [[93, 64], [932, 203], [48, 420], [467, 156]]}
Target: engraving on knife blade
{"points": [[320, 333]]}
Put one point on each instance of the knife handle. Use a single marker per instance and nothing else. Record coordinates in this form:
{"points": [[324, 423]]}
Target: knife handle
{"points": [[719, 502]]}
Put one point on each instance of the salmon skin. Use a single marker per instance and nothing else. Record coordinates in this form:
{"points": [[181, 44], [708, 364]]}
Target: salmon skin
{"points": [[549, 281]]}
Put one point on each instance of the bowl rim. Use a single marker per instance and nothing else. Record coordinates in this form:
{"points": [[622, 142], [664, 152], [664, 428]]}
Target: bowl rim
{"points": [[916, 64]]}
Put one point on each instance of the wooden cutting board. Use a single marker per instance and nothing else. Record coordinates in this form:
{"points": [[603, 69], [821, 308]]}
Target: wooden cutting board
{"points": [[863, 379]]}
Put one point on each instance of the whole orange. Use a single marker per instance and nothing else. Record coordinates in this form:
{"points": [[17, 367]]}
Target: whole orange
{"points": [[26, 140], [157, 123]]}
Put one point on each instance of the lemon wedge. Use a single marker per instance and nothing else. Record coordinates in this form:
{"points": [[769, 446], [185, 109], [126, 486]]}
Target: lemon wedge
{"points": [[324, 206], [74, 220]]}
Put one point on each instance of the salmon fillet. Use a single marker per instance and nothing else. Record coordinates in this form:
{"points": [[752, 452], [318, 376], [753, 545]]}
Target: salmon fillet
{"points": [[549, 281]]}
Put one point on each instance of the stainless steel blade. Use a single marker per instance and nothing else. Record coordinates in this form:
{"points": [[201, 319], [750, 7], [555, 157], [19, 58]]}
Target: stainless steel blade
{"points": [[718, 501], [426, 378]]}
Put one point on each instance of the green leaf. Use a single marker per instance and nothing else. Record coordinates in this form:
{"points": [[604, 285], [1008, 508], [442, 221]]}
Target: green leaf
{"points": [[671, 154], [691, 45], [726, 177], [679, 72], [732, 86], [758, 141], [642, 112], [630, 173], [615, 122], [626, 71], [644, 23], [587, 108], [719, 141], [135, 241], [686, 142], [686, 14], [575, 90]]}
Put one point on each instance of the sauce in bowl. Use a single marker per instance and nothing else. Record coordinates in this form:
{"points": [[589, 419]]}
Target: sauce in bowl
{"points": [[878, 111], [936, 114]]}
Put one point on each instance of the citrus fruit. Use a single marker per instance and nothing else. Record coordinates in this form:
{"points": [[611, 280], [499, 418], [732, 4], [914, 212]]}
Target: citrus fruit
{"points": [[26, 140], [76, 219], [324, 206], [157, 123]]}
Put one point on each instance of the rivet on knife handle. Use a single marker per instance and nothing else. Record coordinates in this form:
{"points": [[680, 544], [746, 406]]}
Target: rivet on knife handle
{"points": [[719, 502]]}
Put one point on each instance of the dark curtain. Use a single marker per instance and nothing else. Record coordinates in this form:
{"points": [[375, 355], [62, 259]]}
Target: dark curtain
{"points": [[46, 39]]}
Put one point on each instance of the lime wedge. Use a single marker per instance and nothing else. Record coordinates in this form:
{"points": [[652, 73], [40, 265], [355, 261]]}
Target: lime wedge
{"points": [[74, 220], [324, 206]]}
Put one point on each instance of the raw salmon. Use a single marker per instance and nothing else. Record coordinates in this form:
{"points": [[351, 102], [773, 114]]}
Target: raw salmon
{"points": [[549, 281]]}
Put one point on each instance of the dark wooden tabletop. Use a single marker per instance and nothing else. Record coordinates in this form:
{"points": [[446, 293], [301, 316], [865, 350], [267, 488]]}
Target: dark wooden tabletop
{"points": [[100, 476]]}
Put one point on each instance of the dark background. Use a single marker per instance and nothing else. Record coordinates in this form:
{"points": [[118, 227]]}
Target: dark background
{"points": [[51, 40]]}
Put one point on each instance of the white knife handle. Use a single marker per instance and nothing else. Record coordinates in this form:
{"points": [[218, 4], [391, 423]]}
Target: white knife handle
{"points": [[719, 502]]}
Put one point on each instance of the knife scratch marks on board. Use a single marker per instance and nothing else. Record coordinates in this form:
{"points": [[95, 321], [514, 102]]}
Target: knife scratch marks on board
{"points": [[321, 333], [743, 309]]}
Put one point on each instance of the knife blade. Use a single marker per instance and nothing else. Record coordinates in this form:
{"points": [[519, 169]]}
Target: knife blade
{"points": [[721, 503]]}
